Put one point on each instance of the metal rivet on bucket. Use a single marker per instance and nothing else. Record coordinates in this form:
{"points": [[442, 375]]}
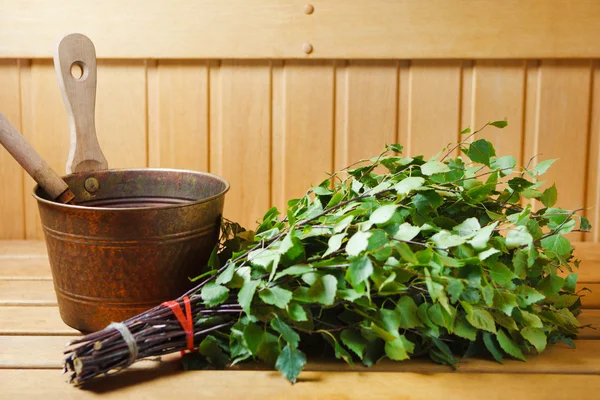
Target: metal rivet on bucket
{"points": [[91, 185]]}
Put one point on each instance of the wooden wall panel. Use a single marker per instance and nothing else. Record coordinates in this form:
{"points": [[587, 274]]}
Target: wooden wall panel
{"points": [[121, 113], [46, 128], [303, 117], [241, 136], [366, 110], [178, 115], [337, 29], [11, 174], [273, 128], [434, 106], [498, 93], [593, 172], [562, 123]]}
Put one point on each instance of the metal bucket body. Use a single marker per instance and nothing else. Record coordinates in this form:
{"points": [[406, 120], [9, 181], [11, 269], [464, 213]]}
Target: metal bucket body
{"points": [[132, 241]]}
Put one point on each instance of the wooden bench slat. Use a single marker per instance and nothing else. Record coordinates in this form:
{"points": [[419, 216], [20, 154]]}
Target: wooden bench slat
{"points": [[22, 247], [21, 320], [262, 385], [15, 293], [32, 268], [46, 352]]}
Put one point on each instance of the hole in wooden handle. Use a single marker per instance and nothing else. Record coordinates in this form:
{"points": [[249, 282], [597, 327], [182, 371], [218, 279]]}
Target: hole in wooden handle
{"points": [[79, 71]]}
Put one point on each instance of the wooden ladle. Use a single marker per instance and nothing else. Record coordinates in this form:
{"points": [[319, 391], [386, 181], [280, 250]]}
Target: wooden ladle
{"points": [[33, 163]]}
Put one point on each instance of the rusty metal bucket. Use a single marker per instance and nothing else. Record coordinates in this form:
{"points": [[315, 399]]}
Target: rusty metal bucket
{"points": [[133, 237], [131, 243]]}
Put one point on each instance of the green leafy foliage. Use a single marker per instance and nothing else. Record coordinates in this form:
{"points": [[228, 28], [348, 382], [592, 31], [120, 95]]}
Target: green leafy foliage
{"points": [[434, 257]]}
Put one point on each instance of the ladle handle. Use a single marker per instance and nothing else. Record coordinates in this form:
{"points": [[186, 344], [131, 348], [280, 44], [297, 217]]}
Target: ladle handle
{"points": [[32, 162], [76, 51]]}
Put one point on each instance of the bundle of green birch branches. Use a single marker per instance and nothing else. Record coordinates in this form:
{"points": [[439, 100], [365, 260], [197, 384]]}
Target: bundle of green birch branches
{"points": [[394, 257]]}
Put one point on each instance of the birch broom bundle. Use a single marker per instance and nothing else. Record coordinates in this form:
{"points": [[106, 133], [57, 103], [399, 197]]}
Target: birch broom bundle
{"points": [[449, 257]]}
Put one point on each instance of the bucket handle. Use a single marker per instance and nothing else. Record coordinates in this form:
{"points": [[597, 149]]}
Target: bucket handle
{"points": [[75, 65]]}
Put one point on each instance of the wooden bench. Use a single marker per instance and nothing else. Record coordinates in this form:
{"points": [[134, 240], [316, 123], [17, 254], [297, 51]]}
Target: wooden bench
{"points": [[32, 337]]}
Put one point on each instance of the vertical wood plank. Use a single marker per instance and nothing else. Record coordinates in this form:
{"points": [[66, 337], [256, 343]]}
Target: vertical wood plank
{"points": [[11, 174], [532, 83], [371, 106], [303, 102], [499, 88], [404, 104], [434, 106], [562, 129], [121, 112], [467, 96], [46, 128], [593, 181], [179, 118], [240, 102]]}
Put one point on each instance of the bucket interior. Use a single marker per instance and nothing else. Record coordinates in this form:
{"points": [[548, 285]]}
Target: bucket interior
{"points": [[139, 188]]}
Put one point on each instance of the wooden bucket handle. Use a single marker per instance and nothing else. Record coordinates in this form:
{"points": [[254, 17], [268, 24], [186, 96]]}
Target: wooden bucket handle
{"points": [[76, 51]]}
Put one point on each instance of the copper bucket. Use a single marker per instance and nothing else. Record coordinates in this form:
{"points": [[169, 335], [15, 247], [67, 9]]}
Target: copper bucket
{"points": [[134, 237]]}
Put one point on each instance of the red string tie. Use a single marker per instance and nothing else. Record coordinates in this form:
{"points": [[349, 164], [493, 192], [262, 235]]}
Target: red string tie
{"points": [[185, 320]]}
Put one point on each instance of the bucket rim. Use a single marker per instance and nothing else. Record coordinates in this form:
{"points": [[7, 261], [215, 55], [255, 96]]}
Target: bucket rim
{"points": [[161, 207]]}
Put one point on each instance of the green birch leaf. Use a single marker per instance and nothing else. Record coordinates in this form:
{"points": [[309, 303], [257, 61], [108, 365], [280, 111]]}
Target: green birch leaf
{"points": [[294, 270], [541, 167], [505, 164], [528, 319], [360, 270], [481, 319], [288, 334], [209, 347], [226, 276], [406, 253], [584, 224], [527, 295], [427, 202], [468, 227], [549, 196], [501, 274], [505, 302], [383, 214], [439, 316], [454, 289], [407, 185], [334, 243], [444, 239], [499, 124], [492, 346], [253, 336], [323, 290], [434, 167], [510, 347], [246, 294], [407, 311], [407, 232], [296, 312], [290, 362], [399, 349], [557, 244], [519, 261], [536, 337], [518, 237], [487, 253], [358, 243], [276, 296], [480, 151], [343, 224], [570, 283], [565, 300], [354, 341], [481, 238], [464, 329], [213, 294], [550, 285]]}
